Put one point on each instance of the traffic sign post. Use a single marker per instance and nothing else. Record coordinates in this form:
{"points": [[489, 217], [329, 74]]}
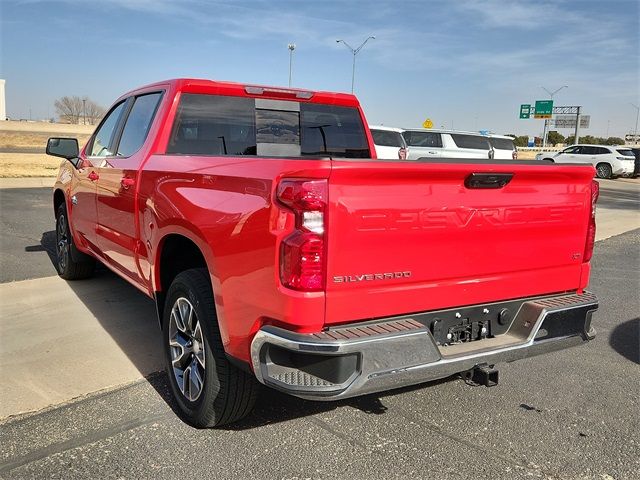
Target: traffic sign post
{"points": [[525, 111], [544, 109], [428, 123]]}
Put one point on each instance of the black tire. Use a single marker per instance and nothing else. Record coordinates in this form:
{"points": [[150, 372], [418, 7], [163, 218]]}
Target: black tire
{"points": [[603, 170], [550, 160], [226, 393], [67, 267]]}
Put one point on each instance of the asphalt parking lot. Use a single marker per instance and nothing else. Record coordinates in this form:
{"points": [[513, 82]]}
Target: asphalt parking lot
{"points": [[571, 414]]}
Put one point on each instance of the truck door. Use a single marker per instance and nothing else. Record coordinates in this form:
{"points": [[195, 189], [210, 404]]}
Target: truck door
{"points": [[83, 211], [117, 232]]}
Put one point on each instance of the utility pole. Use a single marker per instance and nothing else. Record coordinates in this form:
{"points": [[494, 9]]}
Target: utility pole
{"points": [[84, 111], [291, 47], [546, 120], [355, 52], [635, 131]]}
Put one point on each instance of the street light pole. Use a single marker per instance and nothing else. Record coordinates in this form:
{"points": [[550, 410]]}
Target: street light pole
{"points": [[355, 51], [84, 111], [635, 131], [546, 120], [291, 47]]}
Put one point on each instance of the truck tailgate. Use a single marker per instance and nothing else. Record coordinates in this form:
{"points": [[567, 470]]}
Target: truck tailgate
{"points": [[409, 237]]}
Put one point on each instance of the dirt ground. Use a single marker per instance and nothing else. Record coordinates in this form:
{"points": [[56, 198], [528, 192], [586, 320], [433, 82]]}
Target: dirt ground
{"points": [[14, 165]]}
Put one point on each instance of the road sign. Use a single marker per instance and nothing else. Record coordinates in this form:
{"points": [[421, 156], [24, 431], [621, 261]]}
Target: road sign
{"points": [[569, 121], [543, 109], [428, 123], [525, 111]]}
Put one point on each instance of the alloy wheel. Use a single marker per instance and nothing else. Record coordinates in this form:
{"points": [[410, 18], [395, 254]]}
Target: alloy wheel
{"points": [[62, 244], [186, 345]]}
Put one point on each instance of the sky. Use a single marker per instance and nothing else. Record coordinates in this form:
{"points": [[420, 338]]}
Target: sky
{"points": [[464, 64]]}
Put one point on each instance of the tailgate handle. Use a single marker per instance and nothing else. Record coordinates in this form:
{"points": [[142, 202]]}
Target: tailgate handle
{"points": [[487, 180]]}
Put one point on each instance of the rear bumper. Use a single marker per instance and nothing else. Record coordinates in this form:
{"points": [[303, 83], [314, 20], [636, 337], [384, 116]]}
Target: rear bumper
{"points": [[370, 357]]}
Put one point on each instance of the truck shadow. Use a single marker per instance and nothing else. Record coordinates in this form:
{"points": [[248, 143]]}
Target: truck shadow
{"points": [[625, 339], [128, 316]]}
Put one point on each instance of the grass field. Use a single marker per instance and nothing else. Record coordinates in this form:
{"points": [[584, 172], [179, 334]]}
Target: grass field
{"points": [[22, 138]]}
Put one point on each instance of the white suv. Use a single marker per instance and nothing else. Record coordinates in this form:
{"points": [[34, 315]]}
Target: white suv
{"points": [[609, 161], [503, 147], [389, 142], [446, 144]]}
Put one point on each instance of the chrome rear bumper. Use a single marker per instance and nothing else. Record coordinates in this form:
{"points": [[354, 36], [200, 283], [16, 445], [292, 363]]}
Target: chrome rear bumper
{"points": [[369, 357]]}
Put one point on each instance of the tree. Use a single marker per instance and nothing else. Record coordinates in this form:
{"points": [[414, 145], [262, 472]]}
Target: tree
{"points": [[555, 138], [521, 141], [614, 141], [76, 110]]}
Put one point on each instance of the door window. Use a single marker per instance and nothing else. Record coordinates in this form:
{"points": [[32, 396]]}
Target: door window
{"points": [[138, 124], [470, 141], [423, 139], [104, 135], [387, 138]]}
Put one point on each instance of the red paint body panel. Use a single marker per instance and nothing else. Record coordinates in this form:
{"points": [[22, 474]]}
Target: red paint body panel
{"points": [[459, 246]]}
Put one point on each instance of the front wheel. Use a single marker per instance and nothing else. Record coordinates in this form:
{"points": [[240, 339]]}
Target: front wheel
{"points": [[603, 170], [208, 389], [68, 268]]}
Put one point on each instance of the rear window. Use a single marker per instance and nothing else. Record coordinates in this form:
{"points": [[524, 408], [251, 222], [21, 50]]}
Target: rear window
{"points": [[502, 143], [422, 139], [386, 138], [221, 125], [470, 141], [625, 152]]}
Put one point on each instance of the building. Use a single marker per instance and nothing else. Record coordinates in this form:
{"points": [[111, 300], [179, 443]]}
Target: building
{"points": [[3, 105]]}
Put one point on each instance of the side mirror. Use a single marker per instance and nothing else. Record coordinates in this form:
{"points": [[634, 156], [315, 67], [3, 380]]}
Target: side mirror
{"points": [[63, 147]]}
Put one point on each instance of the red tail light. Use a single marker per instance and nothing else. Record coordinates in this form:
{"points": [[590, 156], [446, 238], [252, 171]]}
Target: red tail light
{"points": [[302, 262], [402, 153], [591, 232]]}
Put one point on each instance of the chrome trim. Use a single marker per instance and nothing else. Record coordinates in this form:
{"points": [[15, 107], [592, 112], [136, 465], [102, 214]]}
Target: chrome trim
{"points": [[401, 351]]}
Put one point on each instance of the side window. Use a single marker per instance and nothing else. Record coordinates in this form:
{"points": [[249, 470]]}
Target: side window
{"points": [[386, 138], [602, 151], [104, 136], [138, 123], [587, 151], [423, 139], [470, 141], [571, 150]]}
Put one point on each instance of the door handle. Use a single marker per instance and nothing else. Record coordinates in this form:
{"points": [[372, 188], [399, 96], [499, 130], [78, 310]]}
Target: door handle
{"points": [[432, 153], [93, 176], [127, 182]]}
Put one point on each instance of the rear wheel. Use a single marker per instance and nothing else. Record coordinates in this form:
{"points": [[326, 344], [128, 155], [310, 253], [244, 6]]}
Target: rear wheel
{"points": [[603, 170], [208, 389], [68, 267]]}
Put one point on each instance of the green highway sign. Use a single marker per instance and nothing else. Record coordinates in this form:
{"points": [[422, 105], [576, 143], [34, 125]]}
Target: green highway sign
{"points": [[525, 111], [544, 109]]}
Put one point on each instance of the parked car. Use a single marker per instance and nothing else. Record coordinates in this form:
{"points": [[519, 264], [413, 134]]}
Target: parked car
{"points": [[434, 144], [609, 161], [278, 252], [503, 147], [389, 142]]}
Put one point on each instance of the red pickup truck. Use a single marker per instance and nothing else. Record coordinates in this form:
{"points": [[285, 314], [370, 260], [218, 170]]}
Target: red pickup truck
{"points": [[280, 251]]}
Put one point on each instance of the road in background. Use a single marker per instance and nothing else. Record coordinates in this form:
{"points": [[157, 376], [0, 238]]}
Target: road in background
{"points": [[570, 414]]}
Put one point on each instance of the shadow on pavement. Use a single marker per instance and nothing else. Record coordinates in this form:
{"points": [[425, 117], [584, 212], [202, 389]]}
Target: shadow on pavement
{"points": [[128, 316], [625, 339]]}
